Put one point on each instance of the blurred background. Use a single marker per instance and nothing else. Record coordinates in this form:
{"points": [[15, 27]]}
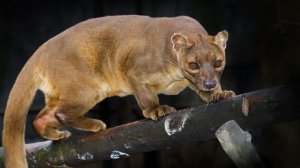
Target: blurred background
{"points": [[263, 51]]}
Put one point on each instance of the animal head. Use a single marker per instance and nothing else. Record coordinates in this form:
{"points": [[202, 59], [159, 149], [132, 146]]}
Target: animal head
{"points": [[201, 58]]}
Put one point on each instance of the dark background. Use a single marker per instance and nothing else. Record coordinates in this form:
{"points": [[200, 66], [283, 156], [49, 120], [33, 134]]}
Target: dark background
{"points": [[263, 51]]}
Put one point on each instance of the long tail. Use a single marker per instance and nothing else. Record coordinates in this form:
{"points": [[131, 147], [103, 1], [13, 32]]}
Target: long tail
{"points": [[19, 101]]}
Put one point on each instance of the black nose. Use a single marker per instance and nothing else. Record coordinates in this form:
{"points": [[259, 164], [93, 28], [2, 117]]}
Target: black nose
{"points": [[209, 84]]}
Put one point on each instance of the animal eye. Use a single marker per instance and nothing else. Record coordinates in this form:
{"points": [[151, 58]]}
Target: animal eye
{"points": [[193, 65], [218, 63]]}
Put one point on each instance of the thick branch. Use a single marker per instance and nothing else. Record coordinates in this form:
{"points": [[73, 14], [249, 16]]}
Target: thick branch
{"points": [[250, 110], [237, 145]]}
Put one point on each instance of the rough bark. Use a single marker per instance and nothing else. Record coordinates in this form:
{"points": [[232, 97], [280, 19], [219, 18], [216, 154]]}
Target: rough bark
{"points": [[250, 110], [237, 145]]}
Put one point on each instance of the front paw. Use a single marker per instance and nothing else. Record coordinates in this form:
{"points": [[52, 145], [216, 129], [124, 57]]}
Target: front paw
{"points": [[221, 95], [157, 112]]}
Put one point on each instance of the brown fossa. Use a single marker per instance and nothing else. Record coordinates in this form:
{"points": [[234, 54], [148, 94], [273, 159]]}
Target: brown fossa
{"points": [[112, 56]]}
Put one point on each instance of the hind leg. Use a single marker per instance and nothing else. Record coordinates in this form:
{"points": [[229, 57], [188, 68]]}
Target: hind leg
{"points": [[77, 92], [58, 113], [76, 101], [46, 125], [72, 115]]}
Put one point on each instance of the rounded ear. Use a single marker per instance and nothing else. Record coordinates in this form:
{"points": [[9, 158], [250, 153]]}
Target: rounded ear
{"points": [[221, 39], [180, 42]]}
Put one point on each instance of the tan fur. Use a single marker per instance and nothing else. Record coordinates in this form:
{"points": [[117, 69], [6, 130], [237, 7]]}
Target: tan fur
{"points": [[111, 56]]}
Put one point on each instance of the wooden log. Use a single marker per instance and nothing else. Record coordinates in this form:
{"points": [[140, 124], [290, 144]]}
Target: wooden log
{"points": [[250, 110], [237, 144]]}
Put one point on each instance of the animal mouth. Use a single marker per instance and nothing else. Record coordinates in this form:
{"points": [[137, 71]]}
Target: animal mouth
{"points": [[205, 89], [199, 87]]}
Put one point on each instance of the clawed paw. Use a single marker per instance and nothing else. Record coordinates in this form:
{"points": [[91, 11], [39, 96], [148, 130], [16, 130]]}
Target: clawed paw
{"points": [[157, 112], [98, 126], [65, 134], [222, 95]]}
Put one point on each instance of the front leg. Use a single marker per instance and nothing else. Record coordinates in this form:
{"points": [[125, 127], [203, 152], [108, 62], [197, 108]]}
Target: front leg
{"points": [[149, 102], [219, 95], [215, 95]]}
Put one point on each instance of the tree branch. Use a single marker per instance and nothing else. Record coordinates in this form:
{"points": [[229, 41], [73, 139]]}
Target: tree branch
{"points": [[237, 145], [250, 110]]}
